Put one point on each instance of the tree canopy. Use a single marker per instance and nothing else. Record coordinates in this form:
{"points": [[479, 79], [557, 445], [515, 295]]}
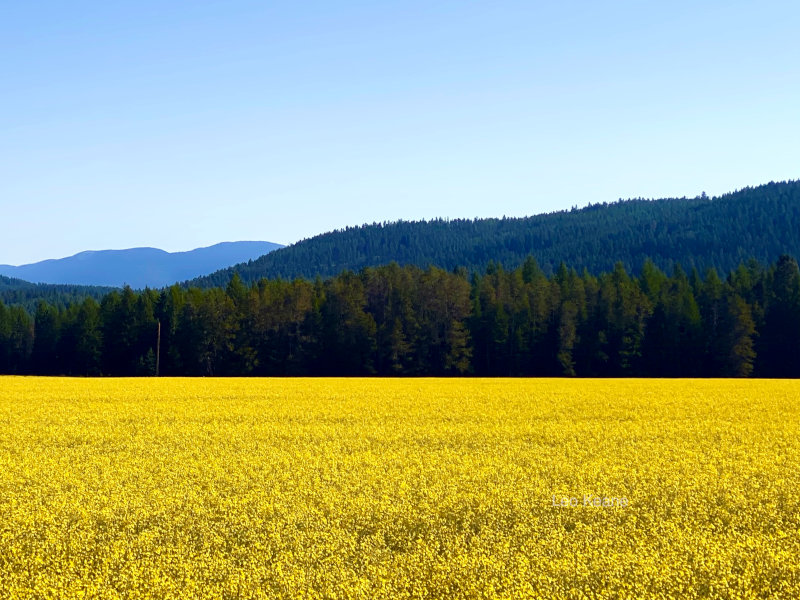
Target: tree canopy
{"points": [[406, 320]]}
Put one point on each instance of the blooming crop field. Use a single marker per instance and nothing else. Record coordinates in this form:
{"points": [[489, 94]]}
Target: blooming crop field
{"points": [[372, 488]]}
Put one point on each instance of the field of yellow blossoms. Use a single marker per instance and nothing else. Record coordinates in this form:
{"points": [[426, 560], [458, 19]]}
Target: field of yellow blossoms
{"points": [[403, 488]]}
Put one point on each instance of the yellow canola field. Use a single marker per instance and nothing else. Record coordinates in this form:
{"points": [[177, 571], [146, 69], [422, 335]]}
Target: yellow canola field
{"points": [[421, 488]]}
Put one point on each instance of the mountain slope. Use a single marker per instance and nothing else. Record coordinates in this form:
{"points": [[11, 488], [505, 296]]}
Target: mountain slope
{"points": [[760, 222], [137, 267]]}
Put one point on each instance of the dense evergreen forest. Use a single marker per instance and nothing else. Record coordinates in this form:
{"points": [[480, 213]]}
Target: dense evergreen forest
{"points": [[27, 294], [403, 320], [761, 222]]}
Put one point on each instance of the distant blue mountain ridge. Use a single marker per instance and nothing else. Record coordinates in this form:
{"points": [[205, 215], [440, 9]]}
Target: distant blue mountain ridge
{"points": [[138, 267]]}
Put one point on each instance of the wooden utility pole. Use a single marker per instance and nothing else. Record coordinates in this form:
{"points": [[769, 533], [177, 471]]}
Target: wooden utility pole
{"points": [[158, 348]]}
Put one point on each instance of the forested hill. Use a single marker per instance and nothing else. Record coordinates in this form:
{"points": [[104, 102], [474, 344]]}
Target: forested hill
{"points": [[761, 222], [27, 294]]}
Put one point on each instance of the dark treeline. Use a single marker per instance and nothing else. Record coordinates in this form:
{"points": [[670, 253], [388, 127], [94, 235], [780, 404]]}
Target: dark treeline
{"points": [[394, 320]]}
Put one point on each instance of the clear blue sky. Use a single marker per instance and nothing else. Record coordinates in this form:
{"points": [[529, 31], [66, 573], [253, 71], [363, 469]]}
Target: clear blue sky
{"points": [[183, 124]]}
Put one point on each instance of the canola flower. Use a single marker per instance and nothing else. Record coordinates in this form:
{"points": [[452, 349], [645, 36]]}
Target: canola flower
{"points": [[401, 488]]}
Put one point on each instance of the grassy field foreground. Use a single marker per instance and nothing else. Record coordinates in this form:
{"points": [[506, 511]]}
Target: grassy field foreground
{"points": [[369, 488]]}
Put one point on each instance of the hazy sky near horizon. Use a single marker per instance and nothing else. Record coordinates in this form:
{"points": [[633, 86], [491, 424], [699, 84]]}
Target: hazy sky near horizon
{"points": [[184, 124]]}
